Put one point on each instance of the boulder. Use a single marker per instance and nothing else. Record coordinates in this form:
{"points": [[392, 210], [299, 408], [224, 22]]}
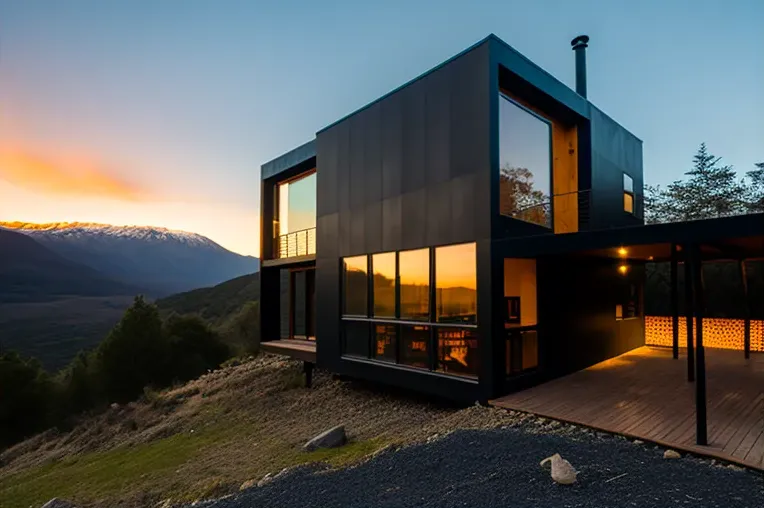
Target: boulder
{"points": [[332, 438], [562, 471], [59, 503], [671, 454]]}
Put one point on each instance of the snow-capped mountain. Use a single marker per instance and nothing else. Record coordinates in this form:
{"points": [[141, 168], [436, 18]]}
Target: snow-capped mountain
{"points": [[161, 260]]}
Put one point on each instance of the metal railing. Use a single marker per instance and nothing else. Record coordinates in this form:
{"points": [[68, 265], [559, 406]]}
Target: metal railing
{"points": [[556, 212], [296, 243]]}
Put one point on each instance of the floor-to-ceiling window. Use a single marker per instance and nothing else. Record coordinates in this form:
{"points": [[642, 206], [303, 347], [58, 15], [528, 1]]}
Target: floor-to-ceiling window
{"points": [[525, 164], [520, 315], [295, 231], [422, 312]]}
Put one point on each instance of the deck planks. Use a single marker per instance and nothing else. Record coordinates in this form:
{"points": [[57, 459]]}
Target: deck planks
{"points": [[645, 394]]}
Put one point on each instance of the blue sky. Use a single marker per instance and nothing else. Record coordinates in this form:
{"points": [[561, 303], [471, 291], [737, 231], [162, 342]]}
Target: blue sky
{"points": [[178, 103]]}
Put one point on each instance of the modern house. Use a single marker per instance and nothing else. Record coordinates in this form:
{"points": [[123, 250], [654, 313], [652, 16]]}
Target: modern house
{"points": [[477, 231]]}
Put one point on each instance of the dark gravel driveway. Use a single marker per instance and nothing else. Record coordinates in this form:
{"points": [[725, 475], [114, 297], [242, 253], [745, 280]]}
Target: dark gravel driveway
{"points": [[501, 468]]}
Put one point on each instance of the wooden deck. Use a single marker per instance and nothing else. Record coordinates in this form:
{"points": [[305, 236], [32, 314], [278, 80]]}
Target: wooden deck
{"points": [[645, 394], [304, 350]]}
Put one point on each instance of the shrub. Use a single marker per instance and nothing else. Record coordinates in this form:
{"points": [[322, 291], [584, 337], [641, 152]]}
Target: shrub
{"points": [[194, 348]]}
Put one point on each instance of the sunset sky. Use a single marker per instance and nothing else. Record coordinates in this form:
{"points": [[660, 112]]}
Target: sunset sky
{"points": [[161, 113]]}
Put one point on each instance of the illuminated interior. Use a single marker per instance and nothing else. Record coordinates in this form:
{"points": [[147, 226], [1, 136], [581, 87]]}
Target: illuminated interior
{"points": [[295, 221], [722, 333]]}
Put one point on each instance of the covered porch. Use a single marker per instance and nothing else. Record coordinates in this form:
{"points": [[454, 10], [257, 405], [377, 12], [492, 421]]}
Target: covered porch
{"points": [[644, 394]]}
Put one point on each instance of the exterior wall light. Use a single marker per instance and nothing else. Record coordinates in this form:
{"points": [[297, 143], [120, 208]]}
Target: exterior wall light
{"points": [[623, 269], [622, 251]]}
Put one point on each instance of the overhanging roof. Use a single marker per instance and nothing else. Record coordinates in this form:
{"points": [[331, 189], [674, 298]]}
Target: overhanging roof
{"points": [[736, 237], [289, 160]]}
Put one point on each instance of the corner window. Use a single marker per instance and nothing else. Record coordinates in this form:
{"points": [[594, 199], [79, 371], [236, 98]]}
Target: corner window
{"points": [[628, 194], [456, 284], [355, 271], [525, 164]]}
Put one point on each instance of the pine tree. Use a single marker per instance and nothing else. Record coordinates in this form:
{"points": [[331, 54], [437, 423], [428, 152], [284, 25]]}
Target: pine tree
{"points": [[756, 188]]}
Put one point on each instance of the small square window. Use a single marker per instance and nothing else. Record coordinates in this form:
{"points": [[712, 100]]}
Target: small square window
{"points": [[628, 183], [628, 202]]}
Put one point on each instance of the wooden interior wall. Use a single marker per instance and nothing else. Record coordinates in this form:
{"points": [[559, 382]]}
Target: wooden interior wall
{"points": [[564, 169]]}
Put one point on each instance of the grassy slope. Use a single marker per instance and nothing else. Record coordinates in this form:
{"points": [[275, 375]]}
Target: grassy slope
{"points": [[206, 438], [216, 303]]}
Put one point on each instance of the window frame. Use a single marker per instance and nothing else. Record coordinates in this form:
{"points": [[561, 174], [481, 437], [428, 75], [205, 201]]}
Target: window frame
{"points": [[550, 124], [369, 321], [630, 193]]}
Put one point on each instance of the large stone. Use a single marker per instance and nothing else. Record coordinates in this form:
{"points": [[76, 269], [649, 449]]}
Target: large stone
{"points": [[671, 454], [332, 438], [248, 484], [562, 471], [59, 503]]}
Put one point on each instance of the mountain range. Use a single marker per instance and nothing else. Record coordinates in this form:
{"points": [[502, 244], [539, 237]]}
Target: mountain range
{"points": [[159, 261], [63, 286]]}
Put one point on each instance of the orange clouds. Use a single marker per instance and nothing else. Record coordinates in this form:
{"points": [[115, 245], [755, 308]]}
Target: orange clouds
{"points": [[65, 176]]}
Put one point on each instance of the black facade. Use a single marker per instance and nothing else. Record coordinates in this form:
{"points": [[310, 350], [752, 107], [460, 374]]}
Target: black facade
{"points": [[421, 168]]}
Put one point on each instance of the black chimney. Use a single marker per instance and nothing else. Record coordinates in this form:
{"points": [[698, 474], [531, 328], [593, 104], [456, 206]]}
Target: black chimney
{"points": [[579, 46]]}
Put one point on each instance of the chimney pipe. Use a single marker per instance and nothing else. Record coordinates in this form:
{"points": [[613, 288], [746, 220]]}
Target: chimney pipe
{"points": [[579, 46]]}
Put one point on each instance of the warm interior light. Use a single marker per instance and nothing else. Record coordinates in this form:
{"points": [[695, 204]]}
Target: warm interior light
{"points": [[650, 258], [623, 269], [622, 251]]}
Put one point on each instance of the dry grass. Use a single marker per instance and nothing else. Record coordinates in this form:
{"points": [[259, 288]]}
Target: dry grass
{"points": [[210, 435]]}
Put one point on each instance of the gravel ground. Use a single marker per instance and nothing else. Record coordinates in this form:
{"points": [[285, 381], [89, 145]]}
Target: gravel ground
{"points": [[482, 468]]}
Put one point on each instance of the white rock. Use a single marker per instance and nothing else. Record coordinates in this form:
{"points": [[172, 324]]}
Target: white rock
{"points": [[248, 484], [332, 438], [671, 454], [638, 442], [562, 471], [58, 503]]}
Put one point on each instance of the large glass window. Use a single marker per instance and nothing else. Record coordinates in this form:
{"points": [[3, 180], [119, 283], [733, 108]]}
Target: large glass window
{"points": [[458, 351], [525, 164], [415, 348], [414, 275], [297, 204], [383, 268], [385, 341], [456, 284], [295, 225], [356, 286]]}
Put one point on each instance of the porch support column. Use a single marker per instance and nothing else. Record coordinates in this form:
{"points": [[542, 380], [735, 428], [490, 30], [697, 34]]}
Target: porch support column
{"points": [[701, 423], [688, 305], [675, 301], [746, 310]]}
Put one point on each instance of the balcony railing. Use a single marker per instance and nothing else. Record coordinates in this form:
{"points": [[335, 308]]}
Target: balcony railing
{"points": [[564, 213], [297, 243]]}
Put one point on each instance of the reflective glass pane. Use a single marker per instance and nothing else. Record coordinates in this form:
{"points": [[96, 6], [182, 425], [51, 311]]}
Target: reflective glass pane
{"points": [[384, 341], [356, 286], [414, 274], [356, 335], [456, 284], [415, 340], [525, 164], [458, 351], [302, 204], [383, 266], [628, 183]]}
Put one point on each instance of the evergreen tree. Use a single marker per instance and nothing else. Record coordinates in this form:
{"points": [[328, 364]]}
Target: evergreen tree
{"points": [[134, 354], [756, 188]]}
